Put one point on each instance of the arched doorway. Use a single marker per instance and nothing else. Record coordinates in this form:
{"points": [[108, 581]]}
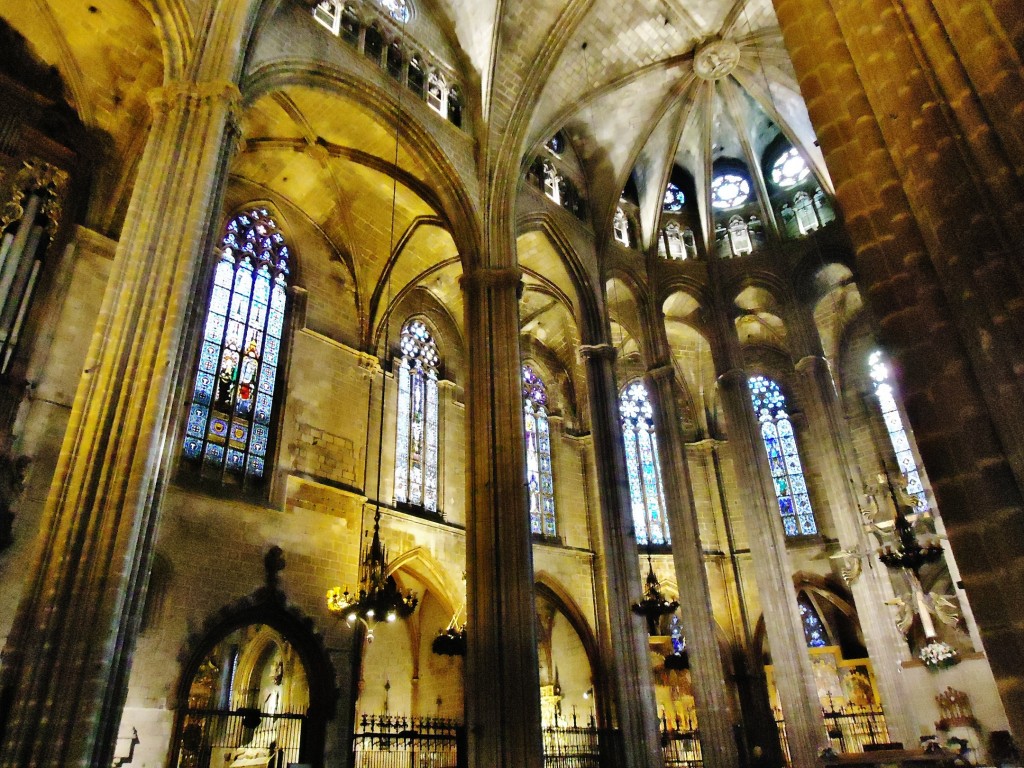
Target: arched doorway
{"points": [[258, 690]]}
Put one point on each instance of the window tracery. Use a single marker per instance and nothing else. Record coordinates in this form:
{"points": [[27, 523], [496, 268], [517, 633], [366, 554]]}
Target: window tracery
{"points": [[398, 9], [437, 93], [416, 427], [898, 436], [674, 241], [539, 480], [815, 633], [729, 190], [790, 169], [552, 183], [329, 13], [228, 427], [674, 199], [783, 457], [620, 227], [643, 466]]}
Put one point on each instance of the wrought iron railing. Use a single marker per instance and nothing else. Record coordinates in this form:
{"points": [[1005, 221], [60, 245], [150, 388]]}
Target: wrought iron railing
{"points": [[391, 741], [211, 737], [573, 746], [680, 742], [849, 728]]}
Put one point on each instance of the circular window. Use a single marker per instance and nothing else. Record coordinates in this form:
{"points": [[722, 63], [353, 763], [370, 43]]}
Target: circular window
{"points": [[674, 198], [790, 169], [398, 9], [728, 190]]}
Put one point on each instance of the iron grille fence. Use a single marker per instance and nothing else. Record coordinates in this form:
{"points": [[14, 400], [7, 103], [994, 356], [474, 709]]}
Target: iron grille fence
{"points": [[213, 738], [572, 746], [392, 741], [680, 743], [850, 728]]}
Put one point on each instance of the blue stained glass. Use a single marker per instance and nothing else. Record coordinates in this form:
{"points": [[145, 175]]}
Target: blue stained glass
{"points": [[893, 421], [204, 389], [267, 376], [214, 328], [539, 481], [227, 364], [645, 484], [783, 456], [214, 453], [219, 300], [814, 630], [898, 435], [255, 466], [276, 324], [263, 405], [236, 460], [196, 421], [271, 349], [900, 441]]}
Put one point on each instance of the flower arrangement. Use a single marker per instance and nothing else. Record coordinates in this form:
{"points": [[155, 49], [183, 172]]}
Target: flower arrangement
{"points": [[938, 655]]}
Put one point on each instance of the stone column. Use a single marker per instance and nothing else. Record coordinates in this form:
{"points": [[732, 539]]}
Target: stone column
{"points": [[872, 588], [625, 646], [502, 683], [773, 573], [710, 689], [68, 657]]}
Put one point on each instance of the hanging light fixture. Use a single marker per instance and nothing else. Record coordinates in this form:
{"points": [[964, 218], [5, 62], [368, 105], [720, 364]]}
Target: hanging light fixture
{"points": [[654, 605], [378, 597]]}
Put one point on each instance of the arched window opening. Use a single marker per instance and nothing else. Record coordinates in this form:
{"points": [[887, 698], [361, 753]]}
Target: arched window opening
{"points": [[674, 199], [729, 190], [898, 436], [455, 107], [643, 467], [416, 77], [806, 219], [814, 629], [416, 430], [437, 94], [674, 240], [328, 13], [28, 223], [350, 26], [552, 183], [789, 169], [373, 44], [228, 428], [398, 9], [396, 62], [539, 480], [620, 227], [783, 457], [556, 144]]}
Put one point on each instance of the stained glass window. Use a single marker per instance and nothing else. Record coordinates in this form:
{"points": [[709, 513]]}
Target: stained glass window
{"points": [[620, 227], [228, 428], [897, 432], [675, 633], [416, 429], [814, 630], [790, 169], [643, 466], [729, 190], [398, 9], [538, 454], [783, 457], [674, 198]]}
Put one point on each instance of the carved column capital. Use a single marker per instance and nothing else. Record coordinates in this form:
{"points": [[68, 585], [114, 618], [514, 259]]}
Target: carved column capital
{"points": [[188, 95], [492, 277], [663, 372], [809, 362], [734, 377], [597, 352]]}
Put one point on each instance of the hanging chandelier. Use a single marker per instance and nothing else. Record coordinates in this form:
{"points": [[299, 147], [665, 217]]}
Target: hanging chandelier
{"points": [[378, 597], [654, 605], [909, 552]]}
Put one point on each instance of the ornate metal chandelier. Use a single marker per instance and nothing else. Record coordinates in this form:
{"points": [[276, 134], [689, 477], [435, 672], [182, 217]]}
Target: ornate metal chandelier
{"points": [[378, 597], [654, 605]]}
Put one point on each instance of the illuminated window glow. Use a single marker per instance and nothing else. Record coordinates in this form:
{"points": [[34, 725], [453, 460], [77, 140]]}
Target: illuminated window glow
{"points": [[790, 169], [897, 432], [416, 428], [538, 454], [228, 426], [398, 9], [643, 466], [674, 198], [814, 630], [729, 190], [783, 457]]}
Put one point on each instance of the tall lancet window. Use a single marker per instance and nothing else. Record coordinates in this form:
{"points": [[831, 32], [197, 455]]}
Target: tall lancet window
{"points": [[29, 218], [894, 425], [416, 431], [783, 457], [643, 466], [228, 427], [538, 454]]}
